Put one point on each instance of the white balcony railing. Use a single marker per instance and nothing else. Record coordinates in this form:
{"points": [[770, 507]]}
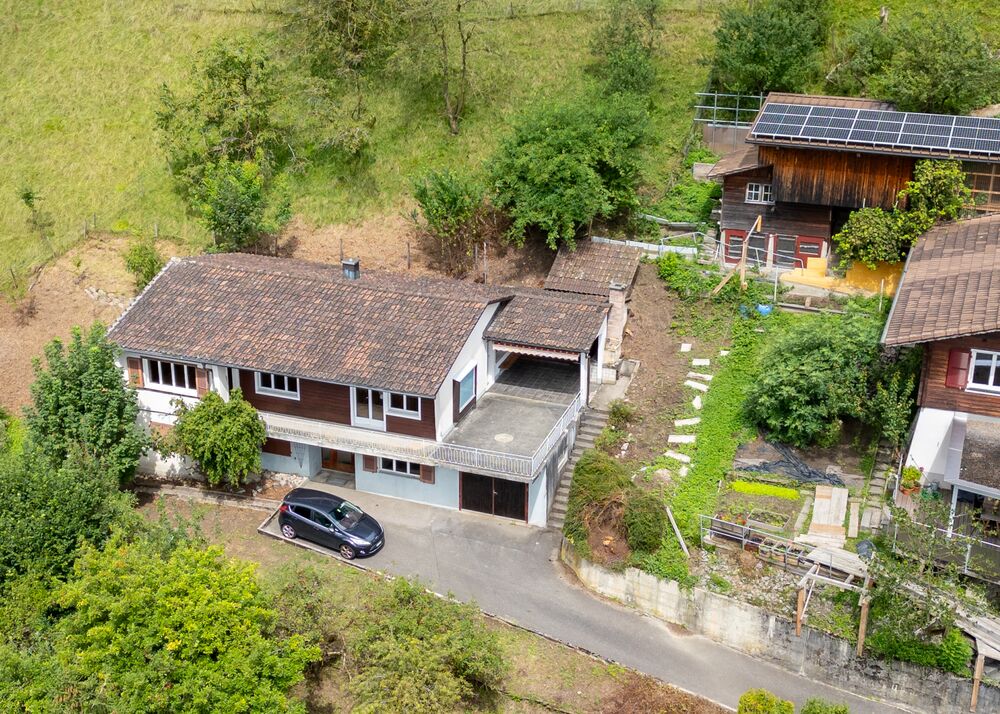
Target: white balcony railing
{"points": [[363, 441]]}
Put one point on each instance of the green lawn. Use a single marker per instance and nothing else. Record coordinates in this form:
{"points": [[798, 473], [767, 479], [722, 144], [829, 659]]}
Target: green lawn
{"points": [[80, 81]]}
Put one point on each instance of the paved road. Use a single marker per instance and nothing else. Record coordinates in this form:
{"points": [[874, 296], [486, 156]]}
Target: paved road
{"points": [[512, 571]]}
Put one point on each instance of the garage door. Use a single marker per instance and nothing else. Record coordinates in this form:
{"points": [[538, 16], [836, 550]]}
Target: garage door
{"points": [[496, 496]]}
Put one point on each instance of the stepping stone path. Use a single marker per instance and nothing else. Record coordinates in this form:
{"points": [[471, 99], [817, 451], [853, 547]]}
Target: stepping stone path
{"points": [[687, 422], [681, 439], [701, 376], [696, 385], [723, 353], [696, 402], [682, 471], [697, 362], [677, 456], [685, 347]]}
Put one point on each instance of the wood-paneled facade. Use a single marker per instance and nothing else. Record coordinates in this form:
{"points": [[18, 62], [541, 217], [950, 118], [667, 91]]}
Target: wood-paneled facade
{"points": [[935, 377]]}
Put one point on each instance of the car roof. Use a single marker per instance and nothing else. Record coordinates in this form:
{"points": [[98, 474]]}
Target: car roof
{"points": [[312, 497]]}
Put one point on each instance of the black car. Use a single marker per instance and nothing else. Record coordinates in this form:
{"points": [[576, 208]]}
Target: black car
{"points": [[331, 521]]}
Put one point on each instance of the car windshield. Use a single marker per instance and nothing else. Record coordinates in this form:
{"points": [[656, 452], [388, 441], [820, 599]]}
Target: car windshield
{"points": [[347, 515]]}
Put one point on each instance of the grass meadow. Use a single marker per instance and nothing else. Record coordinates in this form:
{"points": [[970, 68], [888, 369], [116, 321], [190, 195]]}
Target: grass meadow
{"points": [[79, 83]]}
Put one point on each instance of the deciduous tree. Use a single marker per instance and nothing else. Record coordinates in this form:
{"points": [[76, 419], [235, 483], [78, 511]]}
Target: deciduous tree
{"points": [[240, 205]]}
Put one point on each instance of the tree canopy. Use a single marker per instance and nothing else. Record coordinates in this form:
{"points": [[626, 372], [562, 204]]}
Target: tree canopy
{"points": [[80, 399]]}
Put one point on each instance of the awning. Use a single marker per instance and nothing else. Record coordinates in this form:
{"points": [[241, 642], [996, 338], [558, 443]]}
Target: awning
{"points": [[537, 351]]}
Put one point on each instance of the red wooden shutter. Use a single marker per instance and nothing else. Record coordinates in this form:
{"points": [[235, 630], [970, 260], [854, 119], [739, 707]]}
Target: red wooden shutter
{"points": [[456, 388], [426, 473], [368, 463], [958, 369], [201, 381], [134, 371], [278, 447]]}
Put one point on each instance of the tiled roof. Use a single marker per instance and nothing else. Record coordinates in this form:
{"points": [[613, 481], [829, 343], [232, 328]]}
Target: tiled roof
{"points": [[951, 285], [741, 159], [822, 100], [592, 267], [305, 319], [541, 318]]}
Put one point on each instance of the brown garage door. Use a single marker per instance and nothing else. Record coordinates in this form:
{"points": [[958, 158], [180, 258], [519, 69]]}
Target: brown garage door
{"points": [[495, 496]]}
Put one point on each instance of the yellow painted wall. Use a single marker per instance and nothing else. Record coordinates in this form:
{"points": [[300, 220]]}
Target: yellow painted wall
{"points": [[858, 279]]}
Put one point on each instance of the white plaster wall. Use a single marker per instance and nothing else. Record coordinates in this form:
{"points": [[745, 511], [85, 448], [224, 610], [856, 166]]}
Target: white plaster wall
{"points": [[305, 460], [474, 350], [443, 492], [929, 446], [538, 500]]}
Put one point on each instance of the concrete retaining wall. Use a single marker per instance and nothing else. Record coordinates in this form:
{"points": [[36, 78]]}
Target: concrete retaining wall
{"points": [[750, 629]]}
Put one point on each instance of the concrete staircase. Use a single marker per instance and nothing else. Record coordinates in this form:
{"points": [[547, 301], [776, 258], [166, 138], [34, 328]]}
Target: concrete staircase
{"points": [[591, 424]]}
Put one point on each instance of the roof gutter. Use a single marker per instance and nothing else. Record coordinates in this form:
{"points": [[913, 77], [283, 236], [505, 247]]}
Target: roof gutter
{"points": [[895, 299]]}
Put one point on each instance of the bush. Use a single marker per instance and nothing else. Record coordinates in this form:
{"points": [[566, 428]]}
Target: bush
{"points": [[453, 210], [223, 437], [754, 488], [645, 521], [624, 58], [952, 654], [596, 477], [143, 261], [774, 45], [819, 706], [871, 236], [424, 654], [692, 281], [761, 701], [566, 165], [240, 203], [620, 413]]}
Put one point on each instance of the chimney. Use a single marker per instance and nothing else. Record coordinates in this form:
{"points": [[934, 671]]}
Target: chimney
{"points": [[352, 268]]}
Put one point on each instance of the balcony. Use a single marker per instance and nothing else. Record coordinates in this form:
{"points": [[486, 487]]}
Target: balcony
{"points": [[512, 430]]}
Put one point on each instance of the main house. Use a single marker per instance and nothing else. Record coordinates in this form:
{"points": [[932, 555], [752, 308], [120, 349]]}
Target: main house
{"points": [[949, 302], [432, 390], [809, 161]]}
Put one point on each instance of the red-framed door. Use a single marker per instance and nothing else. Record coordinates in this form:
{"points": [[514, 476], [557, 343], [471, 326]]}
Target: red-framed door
{"points": [[810, 247]]}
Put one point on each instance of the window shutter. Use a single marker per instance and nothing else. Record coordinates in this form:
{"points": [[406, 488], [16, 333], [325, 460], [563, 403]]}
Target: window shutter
{"points": [[426, 473], [958, 369], [368, 462], [134, 371], [456, 388], [201, 381]]}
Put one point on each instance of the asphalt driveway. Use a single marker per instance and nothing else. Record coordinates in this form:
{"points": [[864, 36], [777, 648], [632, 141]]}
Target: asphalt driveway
{"points": [[512, 571]]}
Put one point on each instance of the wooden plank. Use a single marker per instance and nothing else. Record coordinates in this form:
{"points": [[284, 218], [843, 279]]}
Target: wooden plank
{"points": [[677, 532], [853, 521], [977, 679]]}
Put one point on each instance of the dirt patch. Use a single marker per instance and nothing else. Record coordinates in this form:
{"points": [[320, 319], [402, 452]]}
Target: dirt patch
{"points": [[88, 283], [640, 694], [657, 392]]}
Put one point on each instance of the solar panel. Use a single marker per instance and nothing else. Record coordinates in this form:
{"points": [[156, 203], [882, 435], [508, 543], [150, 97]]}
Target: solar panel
{"points": [[933, 134]]}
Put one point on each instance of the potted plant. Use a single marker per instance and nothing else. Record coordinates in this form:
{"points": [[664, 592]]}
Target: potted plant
{"points": [[909, 480]]}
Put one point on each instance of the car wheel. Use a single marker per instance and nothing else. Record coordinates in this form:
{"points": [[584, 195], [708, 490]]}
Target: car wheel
{"points": [[347, 552], [288, 531]]}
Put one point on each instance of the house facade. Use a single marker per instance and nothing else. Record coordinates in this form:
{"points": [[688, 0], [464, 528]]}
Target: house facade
{"points": [[809, 161], [437, 391], [949, 303]]}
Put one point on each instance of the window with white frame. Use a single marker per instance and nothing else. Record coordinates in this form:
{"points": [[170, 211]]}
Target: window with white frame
{"points": [[176, 377], [759, 193], [467, 389], [399, 467], [277, 385], [984, 372], [404, 405]]}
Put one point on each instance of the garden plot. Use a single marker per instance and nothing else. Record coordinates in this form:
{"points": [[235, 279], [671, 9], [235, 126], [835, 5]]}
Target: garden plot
{"points": [[770, 505]]}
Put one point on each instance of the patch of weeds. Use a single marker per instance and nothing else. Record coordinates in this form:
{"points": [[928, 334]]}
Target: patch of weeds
{"points": [[719, 584], [621, 414], [610, 439], [764, 489], [837, 613]]}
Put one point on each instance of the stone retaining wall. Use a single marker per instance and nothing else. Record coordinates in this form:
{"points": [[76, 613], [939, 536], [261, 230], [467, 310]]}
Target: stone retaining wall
{"points": [[817, 655]]}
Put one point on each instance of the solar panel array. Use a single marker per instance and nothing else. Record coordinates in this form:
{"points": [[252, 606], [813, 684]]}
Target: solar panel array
{"points": [[879, 128]]}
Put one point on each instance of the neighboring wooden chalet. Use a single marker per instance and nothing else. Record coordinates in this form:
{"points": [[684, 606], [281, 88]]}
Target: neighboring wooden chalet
{"points": [[811, 160], [439, 391], [949, 302]]}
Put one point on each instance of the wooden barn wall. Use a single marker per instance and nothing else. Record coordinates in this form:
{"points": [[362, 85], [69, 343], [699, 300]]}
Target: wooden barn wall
{"points": [[934, 393], [836, 178], [783, 218]]}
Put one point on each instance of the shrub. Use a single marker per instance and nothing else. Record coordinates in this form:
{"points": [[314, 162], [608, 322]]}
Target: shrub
{"points": [[80, 399], [565, 165], [645, 521], [772, 46], [453, 209], [819, 706], [223, 437], [871, 236], [240, 204], [596, 477], [624, 58], [424, 654], [620, 413], [754, 488], [692, 281], [143, 261], [761, 701]]}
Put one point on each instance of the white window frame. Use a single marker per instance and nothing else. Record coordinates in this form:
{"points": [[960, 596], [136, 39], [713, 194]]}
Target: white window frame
{"points": [[147, 379], [404, 413], [976, 386], [391, 469], [467, 402], [763, 192], [273, 391], [366, 422]]}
